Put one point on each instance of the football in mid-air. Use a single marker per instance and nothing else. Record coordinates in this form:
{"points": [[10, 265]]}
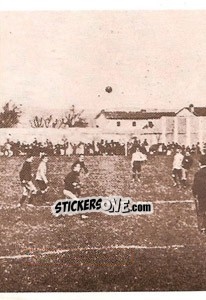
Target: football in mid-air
{"points": [[108, 89]]}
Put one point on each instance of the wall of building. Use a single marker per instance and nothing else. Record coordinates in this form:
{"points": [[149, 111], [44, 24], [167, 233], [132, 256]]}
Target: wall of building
{"points": [[185, 128], [128, 125]]}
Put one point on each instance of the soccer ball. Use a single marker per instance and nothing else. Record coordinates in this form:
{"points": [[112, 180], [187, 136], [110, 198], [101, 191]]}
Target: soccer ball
{"points": [[108, 89]]}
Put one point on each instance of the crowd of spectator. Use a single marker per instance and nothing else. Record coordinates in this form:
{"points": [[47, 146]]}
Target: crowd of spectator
{"points": [[103, 147]]}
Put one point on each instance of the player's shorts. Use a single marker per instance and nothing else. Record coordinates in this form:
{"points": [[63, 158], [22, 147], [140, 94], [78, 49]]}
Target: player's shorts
{"points": [[136, 167], [177, 173], [42, 185], [75, 192], [28, 188]]}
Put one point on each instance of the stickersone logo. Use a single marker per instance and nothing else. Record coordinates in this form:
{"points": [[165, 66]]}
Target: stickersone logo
{"points": [[109, 205]]}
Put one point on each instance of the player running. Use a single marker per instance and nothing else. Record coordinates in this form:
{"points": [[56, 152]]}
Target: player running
{"points": [[29, 190], [177, 167], [72, 186], [41, 176], [136, 163], [186, 165]]}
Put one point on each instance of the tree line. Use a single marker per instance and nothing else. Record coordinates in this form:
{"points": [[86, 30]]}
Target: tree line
{"points": [[11, 114]]}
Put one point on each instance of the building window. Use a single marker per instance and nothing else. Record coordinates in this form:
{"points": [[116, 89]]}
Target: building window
{"points": [[134, 123], [118, 123], [150, 124]]}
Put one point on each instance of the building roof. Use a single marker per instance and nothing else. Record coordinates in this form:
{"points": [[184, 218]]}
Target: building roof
{"points": [[199, 111], [134, 115]]}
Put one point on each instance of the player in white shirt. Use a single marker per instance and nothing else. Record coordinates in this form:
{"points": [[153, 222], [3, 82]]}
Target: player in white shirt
{"points": [[41, 175], [136, 163], [177, 167]]}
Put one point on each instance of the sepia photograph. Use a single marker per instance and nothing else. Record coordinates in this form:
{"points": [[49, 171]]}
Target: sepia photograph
{"points": [[103, 151]]}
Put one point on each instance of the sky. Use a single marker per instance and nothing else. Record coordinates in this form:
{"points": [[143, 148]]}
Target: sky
{"points": [[151, 59]]}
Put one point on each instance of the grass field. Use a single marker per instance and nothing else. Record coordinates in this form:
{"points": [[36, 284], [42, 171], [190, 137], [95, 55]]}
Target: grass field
{"points": [[163, 251]]}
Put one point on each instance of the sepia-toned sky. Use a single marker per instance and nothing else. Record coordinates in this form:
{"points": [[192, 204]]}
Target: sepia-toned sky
{"points": [[151, 59]]}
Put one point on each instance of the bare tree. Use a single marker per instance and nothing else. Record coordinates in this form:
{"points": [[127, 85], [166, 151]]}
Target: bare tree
{"points": [[72, 118], [10, 115], [37, 122], [48, 121]]}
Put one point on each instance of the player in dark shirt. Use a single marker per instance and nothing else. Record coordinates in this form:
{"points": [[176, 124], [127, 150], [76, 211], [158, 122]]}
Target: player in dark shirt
{"points": [[199, 191], [72, 188], [29, 190], [25, 173], [186, 165]]}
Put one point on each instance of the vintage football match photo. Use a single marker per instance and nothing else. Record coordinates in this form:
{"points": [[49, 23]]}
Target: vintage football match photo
{"points": [[103, 151]]}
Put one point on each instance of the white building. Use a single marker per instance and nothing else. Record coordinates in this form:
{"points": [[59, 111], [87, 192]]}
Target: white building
{"points": [[190, 125], [130, 121], [142, 124], [187, 126]]}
